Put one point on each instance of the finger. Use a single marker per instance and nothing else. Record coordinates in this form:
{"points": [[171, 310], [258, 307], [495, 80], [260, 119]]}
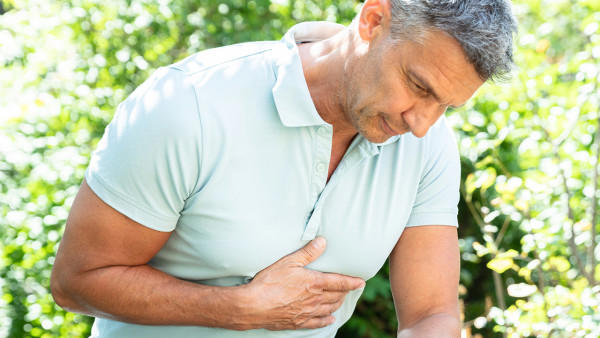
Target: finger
{"points": [[336, 306], [327, 309], [317, 322], [331, 297], [309, 253], [337, 282]]}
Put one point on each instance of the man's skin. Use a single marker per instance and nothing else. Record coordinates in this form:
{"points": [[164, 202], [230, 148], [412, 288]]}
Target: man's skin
{"points": [[360, 81]]}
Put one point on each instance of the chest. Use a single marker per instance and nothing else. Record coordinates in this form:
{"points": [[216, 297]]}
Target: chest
{"points": [[253, 211], [339, 147]]}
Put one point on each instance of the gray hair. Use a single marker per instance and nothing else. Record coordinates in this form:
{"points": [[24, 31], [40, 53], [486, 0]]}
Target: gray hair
{"points": [[484, 29]]}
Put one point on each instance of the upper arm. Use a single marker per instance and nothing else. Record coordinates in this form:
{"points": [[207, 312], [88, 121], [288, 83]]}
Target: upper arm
{"points": [[98, 236], [424, 273], [143, 170]]}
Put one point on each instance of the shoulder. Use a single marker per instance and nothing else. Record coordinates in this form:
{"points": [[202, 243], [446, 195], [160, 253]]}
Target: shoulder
{"points": [[443, 139], [223, 56], [217, 75], [439, 138], [164, 99], [440, 147], [440, 141], [441, 130]]}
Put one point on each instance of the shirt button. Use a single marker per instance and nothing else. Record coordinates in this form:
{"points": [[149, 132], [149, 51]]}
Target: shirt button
{"points": [[320, 166]]}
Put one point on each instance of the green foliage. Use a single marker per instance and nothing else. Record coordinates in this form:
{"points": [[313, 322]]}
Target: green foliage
{"points": [[529, 152]]}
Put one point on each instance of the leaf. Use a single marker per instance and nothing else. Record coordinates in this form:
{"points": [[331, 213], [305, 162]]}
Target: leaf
{"points": [[525, 273], [488, 179], [500, 264], [561, 264], [470, 184], [512, 253], [480, 249], [521, 290]]}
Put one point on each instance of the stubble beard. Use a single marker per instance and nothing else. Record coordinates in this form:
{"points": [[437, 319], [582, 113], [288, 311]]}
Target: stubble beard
{"points": [[367, 122], [360, 119]]}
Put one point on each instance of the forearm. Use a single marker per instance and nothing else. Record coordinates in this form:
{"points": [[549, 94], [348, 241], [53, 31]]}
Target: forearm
{"points": [[440, 325], [144, 295]]}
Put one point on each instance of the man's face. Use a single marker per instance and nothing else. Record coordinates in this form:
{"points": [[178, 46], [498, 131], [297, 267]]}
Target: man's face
{"points": [[404, 86]]}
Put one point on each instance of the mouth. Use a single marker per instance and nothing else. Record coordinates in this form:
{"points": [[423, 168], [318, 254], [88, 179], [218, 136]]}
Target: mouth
{"points": [[387, 128]]}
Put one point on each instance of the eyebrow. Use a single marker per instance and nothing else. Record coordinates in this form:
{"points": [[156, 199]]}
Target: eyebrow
{"points": [[423, 83]]}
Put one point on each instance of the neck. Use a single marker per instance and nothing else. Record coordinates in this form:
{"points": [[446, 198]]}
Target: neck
{"points": [[323, 63]]}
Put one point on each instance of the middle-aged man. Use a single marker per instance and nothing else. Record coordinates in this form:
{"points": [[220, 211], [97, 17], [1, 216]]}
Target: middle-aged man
{"points": [[250, 190]]}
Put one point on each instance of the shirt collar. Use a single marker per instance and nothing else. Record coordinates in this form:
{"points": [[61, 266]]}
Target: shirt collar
{"points": [[388, 141], [292, 98], [290, 92]]}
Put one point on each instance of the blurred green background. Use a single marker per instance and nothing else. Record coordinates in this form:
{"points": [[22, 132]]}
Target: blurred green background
{"points": [[529, 150]]}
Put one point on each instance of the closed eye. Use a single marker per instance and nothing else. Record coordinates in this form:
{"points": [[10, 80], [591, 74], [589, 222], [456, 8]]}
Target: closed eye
{"points": [[422, 91]]}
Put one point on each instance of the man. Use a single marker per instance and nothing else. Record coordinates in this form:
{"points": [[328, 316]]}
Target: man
{"points": [[249, 190]]}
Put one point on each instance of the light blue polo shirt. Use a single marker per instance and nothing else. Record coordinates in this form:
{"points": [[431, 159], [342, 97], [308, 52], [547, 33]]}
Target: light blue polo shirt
{"points": [[227, 150]]}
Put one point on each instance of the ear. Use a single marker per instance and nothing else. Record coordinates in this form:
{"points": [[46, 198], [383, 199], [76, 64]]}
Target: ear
{"points": [[371, 19]]}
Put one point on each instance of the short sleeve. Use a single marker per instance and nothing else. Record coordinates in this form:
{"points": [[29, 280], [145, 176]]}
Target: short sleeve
{"points": [[436, 202], [148, 161]]}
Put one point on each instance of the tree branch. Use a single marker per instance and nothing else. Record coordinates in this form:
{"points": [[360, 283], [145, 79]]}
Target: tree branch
{"points": [[476, 215], [502, 231], [499, 294], [570, 214], [496, 276]]}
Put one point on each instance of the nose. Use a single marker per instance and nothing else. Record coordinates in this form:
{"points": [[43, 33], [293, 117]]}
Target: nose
{"points": [[427, 114]]}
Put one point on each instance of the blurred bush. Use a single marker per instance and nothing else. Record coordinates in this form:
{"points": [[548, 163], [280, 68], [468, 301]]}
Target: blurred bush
{"points": [[530, 188], [529, 152]]}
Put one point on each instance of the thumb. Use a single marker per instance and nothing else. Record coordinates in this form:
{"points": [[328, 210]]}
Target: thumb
{"points": [[310, 252]]}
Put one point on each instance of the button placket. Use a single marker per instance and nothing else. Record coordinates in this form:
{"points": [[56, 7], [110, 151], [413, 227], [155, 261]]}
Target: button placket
{"points": [[320, 168], [312, 227], [359, 150], [357, 153], [322, 149]]}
